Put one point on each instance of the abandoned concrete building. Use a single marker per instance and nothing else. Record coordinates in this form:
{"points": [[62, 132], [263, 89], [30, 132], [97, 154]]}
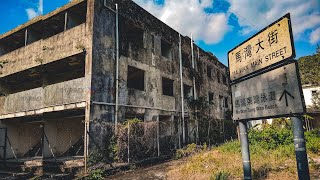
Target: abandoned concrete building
{"points": [[67, 75]]}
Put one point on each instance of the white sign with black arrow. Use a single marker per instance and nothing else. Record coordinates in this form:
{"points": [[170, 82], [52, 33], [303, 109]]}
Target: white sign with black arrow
{"points": [[276, 93], [285, 93]]}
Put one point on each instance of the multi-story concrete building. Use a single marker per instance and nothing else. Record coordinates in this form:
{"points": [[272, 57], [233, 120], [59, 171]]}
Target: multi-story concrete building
{"points": [[68, 74]]}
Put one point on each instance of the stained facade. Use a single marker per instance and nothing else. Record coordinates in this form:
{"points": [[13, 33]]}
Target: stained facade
{"points": [[62, 81]]}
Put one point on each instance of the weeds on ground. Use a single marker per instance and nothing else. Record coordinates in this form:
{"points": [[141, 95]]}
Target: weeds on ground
{"points": [[222, 175], [95, 175], [272, 153], [188, 150]]}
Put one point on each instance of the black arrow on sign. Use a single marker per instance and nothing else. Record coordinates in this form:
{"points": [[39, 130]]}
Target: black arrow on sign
{"points": [[285, 93]]}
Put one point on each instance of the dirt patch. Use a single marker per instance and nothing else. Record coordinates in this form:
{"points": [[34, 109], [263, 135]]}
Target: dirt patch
{"points": [[158, 172]]}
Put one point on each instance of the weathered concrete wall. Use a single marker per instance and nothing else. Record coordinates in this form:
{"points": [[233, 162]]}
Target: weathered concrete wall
{"points": [[66, 92], [44, 51], [103, 73], [23, 136], [62, 134], [65, 44], [2, 139], [145, 56]]}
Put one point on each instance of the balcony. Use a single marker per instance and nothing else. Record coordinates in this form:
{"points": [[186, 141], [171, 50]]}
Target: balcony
{"points": [[45, 39], [62, 45], [67, 92], [54, 84]]}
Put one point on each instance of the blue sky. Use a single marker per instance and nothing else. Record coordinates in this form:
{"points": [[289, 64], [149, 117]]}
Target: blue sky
{"points": [[217, 25]]}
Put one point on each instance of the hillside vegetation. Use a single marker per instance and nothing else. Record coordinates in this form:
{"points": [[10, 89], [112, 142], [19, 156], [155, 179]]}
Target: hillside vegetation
{"points": [[272, 157], [310, 69]]}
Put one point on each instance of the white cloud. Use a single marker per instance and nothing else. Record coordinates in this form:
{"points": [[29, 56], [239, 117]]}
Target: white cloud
{"points": [[32, 12], [254, 15], [315, 36], [189, 16]]}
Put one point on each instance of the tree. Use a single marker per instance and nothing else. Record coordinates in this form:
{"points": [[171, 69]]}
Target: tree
{"points": [[310, 69], [318, 49]]}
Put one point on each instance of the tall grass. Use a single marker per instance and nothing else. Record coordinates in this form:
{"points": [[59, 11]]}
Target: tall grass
{"points": [[272, 157]]}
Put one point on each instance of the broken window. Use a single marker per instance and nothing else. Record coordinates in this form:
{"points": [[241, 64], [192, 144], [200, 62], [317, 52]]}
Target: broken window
{"points": [[218, 77], [185, 60], [64, 20], [76, 15], [221, 101], [166, 49], [33, 33], [135, 78], [167, 86], [224, 79], [209, 71], [53, 25], [210, 98], [134, 35], [187, 91], [13, 41], [226, 102]]}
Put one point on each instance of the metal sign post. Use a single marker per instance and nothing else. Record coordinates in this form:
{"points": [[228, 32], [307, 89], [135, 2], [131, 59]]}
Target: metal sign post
{"points": [[300, 148], [245, 149], [265, 83]]}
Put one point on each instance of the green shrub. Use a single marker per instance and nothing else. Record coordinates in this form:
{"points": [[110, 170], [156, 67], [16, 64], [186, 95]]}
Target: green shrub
{"points": [[191, 148], [179, 154], [313, 140], [270, 137], [187, 151], [232, 146], [281, 139], [95, 175], [204, 147], [221, 175]]}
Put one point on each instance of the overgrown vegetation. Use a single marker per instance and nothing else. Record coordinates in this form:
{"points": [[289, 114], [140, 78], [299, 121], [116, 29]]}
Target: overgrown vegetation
{"points": [[310, 69], [272, 156], [222, 175], [190, 149], [139, 143], [95, 175], [211, 130]]}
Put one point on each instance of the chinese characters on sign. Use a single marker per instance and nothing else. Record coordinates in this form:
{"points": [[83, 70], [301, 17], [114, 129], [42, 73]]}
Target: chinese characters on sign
{"points": [[273, 93], [256, 99], [271, 45]]}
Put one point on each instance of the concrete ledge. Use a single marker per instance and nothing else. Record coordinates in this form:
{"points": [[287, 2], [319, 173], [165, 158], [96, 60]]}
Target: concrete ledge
{"points": [[45, 110]]}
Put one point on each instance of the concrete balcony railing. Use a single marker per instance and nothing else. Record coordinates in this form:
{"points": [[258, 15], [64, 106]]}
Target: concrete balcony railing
{"points": [[67, 92], [64, 44]]}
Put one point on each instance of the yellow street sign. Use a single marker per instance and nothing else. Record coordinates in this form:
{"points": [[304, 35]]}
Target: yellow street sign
{"points": [[271, 45]]}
